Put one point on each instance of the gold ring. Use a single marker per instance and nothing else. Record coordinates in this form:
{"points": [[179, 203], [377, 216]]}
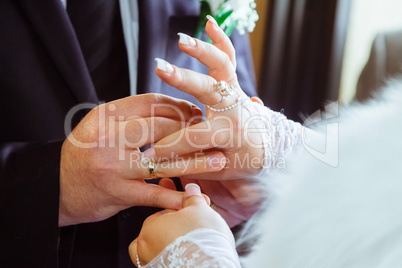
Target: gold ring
{"points": [[213, 206], [152, 169]]}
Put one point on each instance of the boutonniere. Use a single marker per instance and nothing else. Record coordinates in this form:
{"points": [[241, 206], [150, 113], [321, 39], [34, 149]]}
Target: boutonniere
{"points": [[229, 14]]}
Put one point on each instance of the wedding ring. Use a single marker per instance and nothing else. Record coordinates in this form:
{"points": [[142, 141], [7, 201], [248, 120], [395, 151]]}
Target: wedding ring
{"points": [[218, 102], [213, 206], [152, 169], [225, 90]]}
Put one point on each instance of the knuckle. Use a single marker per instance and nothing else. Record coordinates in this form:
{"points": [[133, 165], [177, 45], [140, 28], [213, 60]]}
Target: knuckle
{"points": [[154, 98], [101, 165], [182, 79], [210, 84], [232, 52], [141, 243], [192, 137], [201, 51], [226, 60], [154, 198], [221, 138], [161, 173], [132, 249]]}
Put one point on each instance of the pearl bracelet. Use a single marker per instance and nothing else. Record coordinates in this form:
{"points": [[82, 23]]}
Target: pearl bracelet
{"points": [[239, 101], [138, 262]]}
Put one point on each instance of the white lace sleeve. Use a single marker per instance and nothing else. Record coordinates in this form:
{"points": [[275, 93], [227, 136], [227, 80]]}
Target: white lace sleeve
{"points": [[280, 135], [199, 248]]}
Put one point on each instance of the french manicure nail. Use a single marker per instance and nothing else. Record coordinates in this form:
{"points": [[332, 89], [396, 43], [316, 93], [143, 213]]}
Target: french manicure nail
{"points": [[211, 19], [163, 65], [186, 40], [149, 153], [216, 161], [192, 189]]}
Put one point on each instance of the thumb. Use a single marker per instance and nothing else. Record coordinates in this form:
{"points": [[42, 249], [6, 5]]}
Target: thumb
{"points": [[152, 195], [193, 196]]}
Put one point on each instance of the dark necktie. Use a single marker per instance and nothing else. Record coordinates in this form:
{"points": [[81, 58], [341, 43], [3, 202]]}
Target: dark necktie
{"points": [[98, 27]]}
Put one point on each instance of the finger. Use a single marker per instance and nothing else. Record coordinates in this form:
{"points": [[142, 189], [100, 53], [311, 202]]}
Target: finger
{"points": [[257, 100], [144, 131], [217, 133], [184, 182], [245, 191], [207, 199], [213, 161], [218, 62], [223, 198], [148, 105], [193, 196], [220, 39], [231, 220], [205, 162], [201, 86], [151, 195], [168, 184], [133, 251]]}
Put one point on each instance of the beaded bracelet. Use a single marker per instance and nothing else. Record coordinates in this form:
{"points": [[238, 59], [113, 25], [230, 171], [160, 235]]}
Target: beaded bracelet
{"points": [[138, 262], [239, 101]]}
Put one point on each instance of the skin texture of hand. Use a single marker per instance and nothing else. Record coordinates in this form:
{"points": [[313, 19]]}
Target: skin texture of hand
{"points": [[100, 170], [162, 228], [235, 200], [234, 189]]}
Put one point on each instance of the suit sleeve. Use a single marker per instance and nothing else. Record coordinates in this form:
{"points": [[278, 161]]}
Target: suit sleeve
{"points": [[29, 200]]}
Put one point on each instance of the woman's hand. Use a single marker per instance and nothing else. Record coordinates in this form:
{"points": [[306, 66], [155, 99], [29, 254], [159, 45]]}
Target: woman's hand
{"points": [[164, 227], [234, 132]]}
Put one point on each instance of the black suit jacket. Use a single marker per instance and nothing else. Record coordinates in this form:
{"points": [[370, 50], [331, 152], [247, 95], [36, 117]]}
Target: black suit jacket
{"points": [[42, 75]]}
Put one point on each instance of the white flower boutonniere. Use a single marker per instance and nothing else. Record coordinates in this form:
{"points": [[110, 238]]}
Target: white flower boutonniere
{"points": [[230, 15]]}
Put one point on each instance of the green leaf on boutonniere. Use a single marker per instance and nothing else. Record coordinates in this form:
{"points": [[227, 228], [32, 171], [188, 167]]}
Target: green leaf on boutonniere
{"points": [[222, 16], [230, 28], [202, 21]]}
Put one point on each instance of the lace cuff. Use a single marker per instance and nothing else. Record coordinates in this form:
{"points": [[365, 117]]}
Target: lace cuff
{"points": [[199, 248], [280, 135]]}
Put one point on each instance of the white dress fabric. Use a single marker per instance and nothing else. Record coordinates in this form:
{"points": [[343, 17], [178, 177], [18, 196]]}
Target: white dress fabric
{"points": [[203, 248], [280, 135]]}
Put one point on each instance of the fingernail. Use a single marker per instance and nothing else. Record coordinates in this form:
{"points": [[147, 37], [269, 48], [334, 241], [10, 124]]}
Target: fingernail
{"points": [[164, 65], [195, 111], [211, 19], [192, 189], [186, 40], [216, 161], [149, 153]]}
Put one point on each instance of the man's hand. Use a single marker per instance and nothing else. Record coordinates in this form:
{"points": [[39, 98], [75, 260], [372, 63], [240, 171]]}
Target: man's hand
{"points": [[101, 171]]}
